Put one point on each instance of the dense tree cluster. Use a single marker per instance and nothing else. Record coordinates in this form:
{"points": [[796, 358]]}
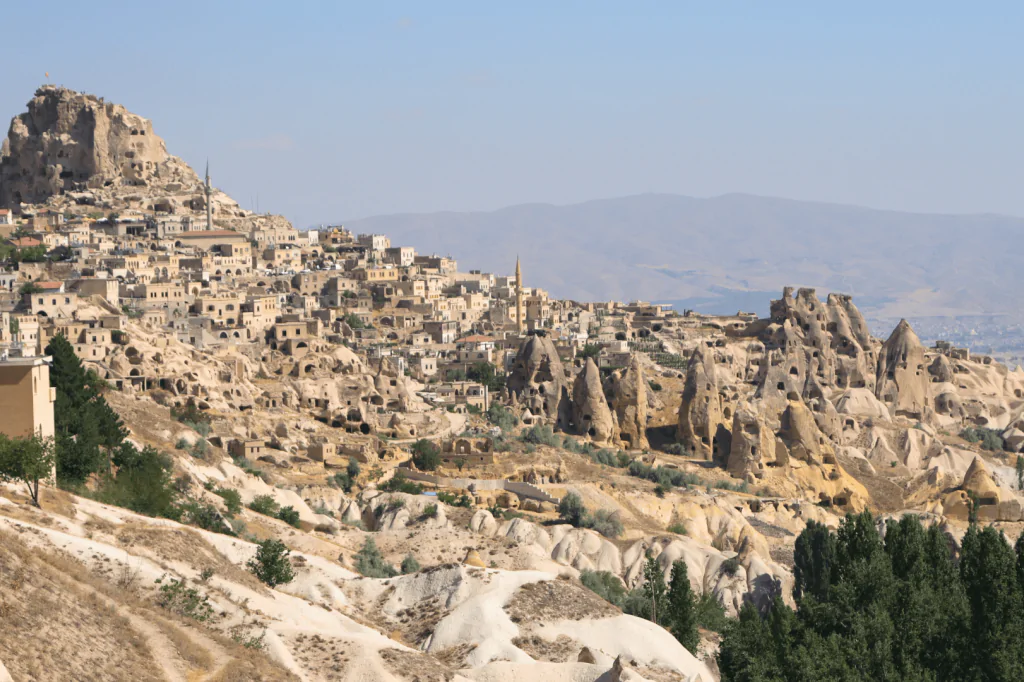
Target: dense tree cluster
{"points": [[902, 607], [88, 431]]}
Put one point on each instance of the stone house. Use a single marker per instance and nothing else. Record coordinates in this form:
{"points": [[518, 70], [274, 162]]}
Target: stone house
{"points": [[374, 242], [403, 256], [246, 449], [441, 331], [26, 399], [53, 302], [464, 393]]}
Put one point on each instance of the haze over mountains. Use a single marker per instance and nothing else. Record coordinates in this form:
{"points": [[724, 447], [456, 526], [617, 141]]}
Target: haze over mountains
{"points": [[735, 251]]}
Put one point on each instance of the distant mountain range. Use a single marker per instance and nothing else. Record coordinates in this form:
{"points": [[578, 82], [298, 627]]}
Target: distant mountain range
{"points": [[735, 252]]}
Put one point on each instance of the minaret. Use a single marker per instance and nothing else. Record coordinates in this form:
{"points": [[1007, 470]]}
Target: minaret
{"points": [[520, 320], [209, 204]]}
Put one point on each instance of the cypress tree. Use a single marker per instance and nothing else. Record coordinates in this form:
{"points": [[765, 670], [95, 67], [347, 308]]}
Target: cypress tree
{"points": [[681, 613]]}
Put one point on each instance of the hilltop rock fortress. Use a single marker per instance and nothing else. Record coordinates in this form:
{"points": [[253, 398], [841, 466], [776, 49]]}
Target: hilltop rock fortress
{"points": [[71, 151], [300, 371]]}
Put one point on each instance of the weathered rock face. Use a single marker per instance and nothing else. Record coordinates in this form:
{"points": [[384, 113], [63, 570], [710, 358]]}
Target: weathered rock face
{"points": [[902, 377], [69, 141], [801, 439], [538, 382], [701, 411], [628, 391], [809, 343], [591, 415], [753, 445]]}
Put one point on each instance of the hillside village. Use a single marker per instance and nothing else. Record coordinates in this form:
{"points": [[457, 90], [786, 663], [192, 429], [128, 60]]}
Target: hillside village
{"points": [[445, 413]]}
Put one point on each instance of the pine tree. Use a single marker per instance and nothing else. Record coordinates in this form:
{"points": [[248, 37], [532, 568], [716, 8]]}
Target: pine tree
{"points": [[84, 423], [680, 612]]}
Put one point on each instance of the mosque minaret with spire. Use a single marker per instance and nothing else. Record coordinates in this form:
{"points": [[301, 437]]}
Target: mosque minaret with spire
{"points": [[208, 189], [520, 319]]}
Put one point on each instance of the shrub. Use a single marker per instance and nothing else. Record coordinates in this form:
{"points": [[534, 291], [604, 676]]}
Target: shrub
{"points": [[501, 417], [430, 511], [571, 510], [741, 487], [426, 455], [410, 565], [989, 439], [450, 499], [606, 522], [271, 564], [182, 444], [370, 562], [205, 516], [400, 484], [677, 528], [604, 584], [177, 597], [665, 477], [200, 448], [730, 566], [290, 516], [655, 386], [540, 435], [264, 504], [190, 414], [232, 500]]}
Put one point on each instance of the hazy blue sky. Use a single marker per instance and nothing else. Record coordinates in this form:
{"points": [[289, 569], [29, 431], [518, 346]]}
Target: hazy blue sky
{"points": [[339, 110]]}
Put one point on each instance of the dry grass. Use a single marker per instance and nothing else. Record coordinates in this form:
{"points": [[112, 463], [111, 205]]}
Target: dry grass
{"points": [[57, 501], [55, 628], [196, 655], [254, 668], [185, 545], [563, 649], [414, 666], [553, 600]]}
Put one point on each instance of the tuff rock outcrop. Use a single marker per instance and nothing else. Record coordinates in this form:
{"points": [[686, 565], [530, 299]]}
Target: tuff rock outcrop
{"points": [[902, 380], [538, 381], [628, 391], [700, 413], [591, 415]]}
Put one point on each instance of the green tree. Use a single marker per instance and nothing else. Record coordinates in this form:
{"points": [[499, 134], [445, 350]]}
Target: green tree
{"points": [[988, 570], [654, 586], [271, 563], [27, 459], [485, 373], [142, 482], [680, 608], [426, 455], [813, 557]]}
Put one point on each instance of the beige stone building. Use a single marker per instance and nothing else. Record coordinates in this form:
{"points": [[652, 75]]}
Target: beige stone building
{"points": [[26, 399]]}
